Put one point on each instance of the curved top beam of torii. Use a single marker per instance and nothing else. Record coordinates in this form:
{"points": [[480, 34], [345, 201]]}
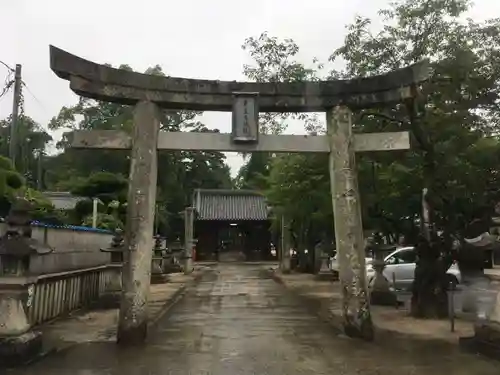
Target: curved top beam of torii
{"points": [[115, 85]]}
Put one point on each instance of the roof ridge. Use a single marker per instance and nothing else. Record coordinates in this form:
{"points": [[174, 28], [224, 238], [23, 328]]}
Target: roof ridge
{"points": [[230, 192]]}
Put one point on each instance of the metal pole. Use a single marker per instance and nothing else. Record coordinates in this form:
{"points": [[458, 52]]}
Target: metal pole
{"points": [[13, 146], [39, 179], [94, 213], [394, 287], [285, 245], [451, 306], [188, 240], [157, 219]]}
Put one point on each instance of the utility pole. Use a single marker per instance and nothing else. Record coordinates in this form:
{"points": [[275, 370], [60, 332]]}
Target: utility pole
{"points": [[39, 179], [15, 114]]}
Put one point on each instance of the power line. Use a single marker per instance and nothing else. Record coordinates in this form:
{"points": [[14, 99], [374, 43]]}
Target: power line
{"points": [[9, 81], [7, 66], [8, 85], [34, 96]]}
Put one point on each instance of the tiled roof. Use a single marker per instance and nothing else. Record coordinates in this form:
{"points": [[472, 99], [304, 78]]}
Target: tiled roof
{"points": [[229, 205]]}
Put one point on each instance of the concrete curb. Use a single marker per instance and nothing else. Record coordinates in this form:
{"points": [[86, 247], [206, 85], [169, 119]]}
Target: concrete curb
{"points": [[335, 320], [315, 306], [176, 297]]}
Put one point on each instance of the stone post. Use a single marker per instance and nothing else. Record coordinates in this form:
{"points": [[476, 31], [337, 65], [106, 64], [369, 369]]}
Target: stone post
{"points": [[188, 240], [482, 297], [380, 293], [285, 246], [17, 342], [157, 274], [348, 226], [132, 325], [112, 293], [324, 272]]}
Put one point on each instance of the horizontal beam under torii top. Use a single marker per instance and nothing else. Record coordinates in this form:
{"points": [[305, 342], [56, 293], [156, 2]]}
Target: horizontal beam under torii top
{"points": [[102, 82], [114, 139]]}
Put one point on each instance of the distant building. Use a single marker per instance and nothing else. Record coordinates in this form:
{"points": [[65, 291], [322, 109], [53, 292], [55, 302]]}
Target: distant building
{"points": [[62, 200], [239, 219]]}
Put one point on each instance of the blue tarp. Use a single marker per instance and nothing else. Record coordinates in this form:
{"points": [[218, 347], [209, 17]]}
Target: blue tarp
{"points": [[71, 227]]}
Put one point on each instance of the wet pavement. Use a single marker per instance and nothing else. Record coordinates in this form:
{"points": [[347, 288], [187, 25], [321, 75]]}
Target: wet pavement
{"points": [[238, 321]]}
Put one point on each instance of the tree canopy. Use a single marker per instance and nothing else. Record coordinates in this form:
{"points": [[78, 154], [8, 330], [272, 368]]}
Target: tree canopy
{"points": [[454, 125], [455, 147], [103, 174]]}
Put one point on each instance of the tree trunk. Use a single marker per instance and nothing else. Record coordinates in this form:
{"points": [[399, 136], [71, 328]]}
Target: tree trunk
{"points": [[429, 297]]}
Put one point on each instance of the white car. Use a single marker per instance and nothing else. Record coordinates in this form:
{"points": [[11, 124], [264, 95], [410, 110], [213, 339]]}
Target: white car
{"points": [[334, 264], [400, 267]]}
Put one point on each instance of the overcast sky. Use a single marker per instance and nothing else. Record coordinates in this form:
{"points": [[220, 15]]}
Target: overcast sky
{"points": [[188, 38]]}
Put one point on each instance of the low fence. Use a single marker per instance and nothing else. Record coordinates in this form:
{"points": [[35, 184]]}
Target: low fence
{"points": [[57, 294], [74, 248]]}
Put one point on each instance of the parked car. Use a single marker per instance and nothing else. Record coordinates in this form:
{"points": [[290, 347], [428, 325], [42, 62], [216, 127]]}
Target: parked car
{"points": [[334, 264], [401, 264]]}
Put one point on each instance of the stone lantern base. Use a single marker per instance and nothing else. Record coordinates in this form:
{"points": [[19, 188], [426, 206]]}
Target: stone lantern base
{"points": [[157, 275], [21, 349], [111, 297], [486, 339], [18, 344], [380, 292], [325, 273], [159, 278], [383, 298]]}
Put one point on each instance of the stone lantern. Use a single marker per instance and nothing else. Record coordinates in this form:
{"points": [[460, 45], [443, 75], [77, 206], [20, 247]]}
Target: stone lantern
{"points": [[116, 248], [380, 293], [112, 291], [322, 260], [17, 248], [481, 298], [157, 275]]}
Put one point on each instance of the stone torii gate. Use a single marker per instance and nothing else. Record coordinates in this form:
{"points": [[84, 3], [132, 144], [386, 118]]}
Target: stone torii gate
{"points": [[245, 99]]}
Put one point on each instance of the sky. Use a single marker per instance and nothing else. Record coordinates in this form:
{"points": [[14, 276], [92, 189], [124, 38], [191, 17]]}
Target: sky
{"points": [[187, 38]]}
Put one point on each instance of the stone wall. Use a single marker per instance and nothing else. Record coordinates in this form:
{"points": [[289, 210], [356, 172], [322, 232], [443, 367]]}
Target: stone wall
{"points": [[73, 249]]}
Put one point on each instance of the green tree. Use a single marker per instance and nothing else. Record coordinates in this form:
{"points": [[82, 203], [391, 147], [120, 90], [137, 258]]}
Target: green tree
{"points": [[179, 172], [461, 109], [105, 186], [10, 183], [299, 187], [454, 126], [12, 187], [273, 60], [32, 140]]}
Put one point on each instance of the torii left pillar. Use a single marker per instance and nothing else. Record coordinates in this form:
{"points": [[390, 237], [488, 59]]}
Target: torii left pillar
{"points": [[133, 323]]}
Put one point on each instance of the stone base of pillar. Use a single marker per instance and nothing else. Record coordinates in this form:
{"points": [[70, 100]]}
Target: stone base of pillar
{"points": [[159, 278], [285, 266], [188, 266], [21, 349], [486, 340], [109, 300], [111, 297], [383, 298], [325, 275]]}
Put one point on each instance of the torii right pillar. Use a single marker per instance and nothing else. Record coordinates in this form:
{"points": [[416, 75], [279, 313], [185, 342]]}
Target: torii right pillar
{"points": [[356, 315]]}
